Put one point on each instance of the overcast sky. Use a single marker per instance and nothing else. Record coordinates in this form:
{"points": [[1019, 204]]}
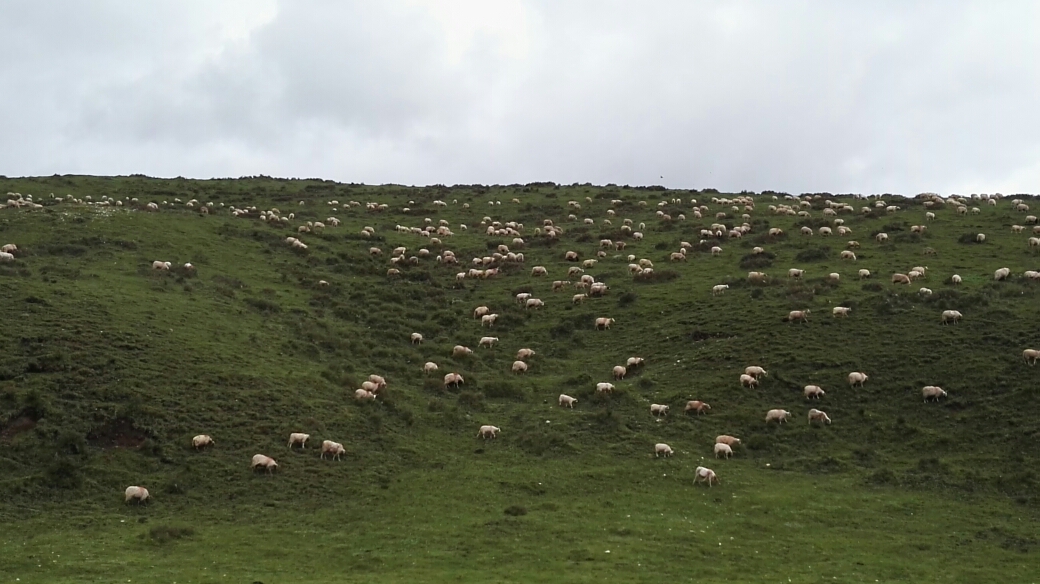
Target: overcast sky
{"points": [[865, 97]]}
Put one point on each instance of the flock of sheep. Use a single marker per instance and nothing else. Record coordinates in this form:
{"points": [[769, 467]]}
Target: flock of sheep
{"points": [[485, 267]]}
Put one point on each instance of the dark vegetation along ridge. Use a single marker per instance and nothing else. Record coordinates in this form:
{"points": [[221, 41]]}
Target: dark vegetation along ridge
{"points": [[111, 366]]}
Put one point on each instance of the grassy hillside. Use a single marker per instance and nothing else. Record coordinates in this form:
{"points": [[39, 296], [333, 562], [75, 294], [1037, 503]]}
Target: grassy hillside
{"points": [[110, 367]]}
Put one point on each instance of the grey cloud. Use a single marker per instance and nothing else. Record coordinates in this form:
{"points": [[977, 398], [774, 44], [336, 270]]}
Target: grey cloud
{"points": [[841, 96]]}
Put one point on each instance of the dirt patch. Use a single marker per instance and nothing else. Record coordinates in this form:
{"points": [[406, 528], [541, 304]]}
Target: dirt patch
{"points": [[16, 426], [117, 433]]}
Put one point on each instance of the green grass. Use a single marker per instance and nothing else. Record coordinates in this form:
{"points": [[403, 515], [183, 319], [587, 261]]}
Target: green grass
{"points": [[110, 368]]}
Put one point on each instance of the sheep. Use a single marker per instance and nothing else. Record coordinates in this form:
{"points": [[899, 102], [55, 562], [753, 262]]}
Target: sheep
{"points": [[858, 378], [662, 449], [1031, 356], [848, 255], [833, 277], [9, 248], [202, 441], [480, 311], [265, 462], [980, 238], [881, 237], [1002, 274], [795, 273], [900, 279], [571, 256], [298, 438], [755, 371], [135, 493], [696, 406], [619, 372], [949, 316], [488, 320], [955, 279], [798, 315], [568, 401], [748, 381], [727, 440], [335, 449], [813, 392], [375, 251], [723, 449], [816, 415], [539, 271], [756, 277], [706, 475], [658, 410], [461, 351], [522, 297], [604, 387], [487, 342], [488, 431], [925, 291], [1034, 242], [719, 289], [519, 367], [162, 266], [779, 415], [864, 273], [807, 231], [932, 392], [603, 323], [841, 311], [417, 338], [533, 303], [378, 380], [453, 379], [6, 257], [716, 250], [579, 298], [635, 362], [429, 367], [363, 394], [524, 354]]}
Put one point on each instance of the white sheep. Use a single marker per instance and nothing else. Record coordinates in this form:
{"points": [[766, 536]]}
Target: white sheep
{"points": [[335, 449], [162, 266], [798, 315], [519, 367], [534, 303], [777, 415], [696, 405], [417, 338], [858, 378], [568, 401], [604, 323], [604, 387], [932, 392], [461, 351], [298, 438], [201, 441], [488, 431], [619, 372], [524, 354], [488, 320], [756, 371], [1031, 356], [813, 392], [728, 440], [864, 273], [841, 311], [949, 316], [265, 462], [487, 342], [955, 279], [816, 415], [723, 450], [658, 410], [795, 273], [748, 381], [453, 379], [719, 289], [363, 394], [6, 257], [135, 493], [1002, 274], [662, 449], [429, 367], [706, 475]]}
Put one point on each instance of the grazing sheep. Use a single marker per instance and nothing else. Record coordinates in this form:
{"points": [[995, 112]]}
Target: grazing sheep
{"points": [[696, 406], [6, 257], [619, 372], [864, 273], [778, 415], [658, 410], [955, 279], [604, 387], [925, 291], [848, 255], [481, 311], [816, 415], [798, 315], [833, 277], [604, 323], [723, 450], [163, 266], [524, 354], [135, 493], [9, 248], [980, 238], [363, 394], [1031, 356], [1002, 274], [416, 338], [949, 316], [841, 311], [429, 367], [453, 379], [579, 298], [566, 400], [265, 462], [881, 237], [635, 362], [932, 392], [202, 441], [533, 303], [727, 440], [539, 271], [298, 438], [487, 342], [486, 432], [748, 381], [795, 273], [461, 351], [719, 289], [519, 367], [813, 392], [807, 231], [706, 475], [900, 279], [662, 449], [858, 378], [488, 320], [335, 449], [756, 371]]}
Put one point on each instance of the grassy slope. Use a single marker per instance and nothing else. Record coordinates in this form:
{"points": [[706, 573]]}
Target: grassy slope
{"points": [[251, 349]]}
